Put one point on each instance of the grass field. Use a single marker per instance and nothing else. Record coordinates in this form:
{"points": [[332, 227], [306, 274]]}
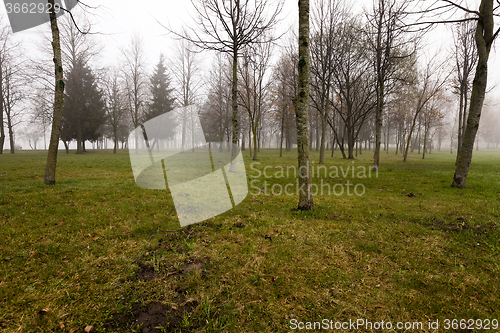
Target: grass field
{"points": [[97, 250]]}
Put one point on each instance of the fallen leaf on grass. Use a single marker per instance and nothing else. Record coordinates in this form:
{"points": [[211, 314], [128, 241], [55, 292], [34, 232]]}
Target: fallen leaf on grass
{"points": [[61, 325], [43, 311], [88, 328]]}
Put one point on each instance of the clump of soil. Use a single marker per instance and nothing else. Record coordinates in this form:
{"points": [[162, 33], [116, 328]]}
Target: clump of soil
{"points": [[145, 272], [154, 317], [157, 316]]}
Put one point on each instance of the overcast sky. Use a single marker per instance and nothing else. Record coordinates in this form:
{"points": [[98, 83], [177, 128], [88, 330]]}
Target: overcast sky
{"points": [[117, 21]]}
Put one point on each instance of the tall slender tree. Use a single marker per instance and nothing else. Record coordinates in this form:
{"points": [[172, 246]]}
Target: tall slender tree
{"points": [[389, 45], [301, 102], [50, 168]]}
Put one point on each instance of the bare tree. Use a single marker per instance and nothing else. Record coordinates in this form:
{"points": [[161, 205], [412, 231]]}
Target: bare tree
{"points": [[325, 24], [484, 36], [230, 26], [389, 44], [115, 105], [186, 71], [432, 117], [4, 39], [301, 103], [12, 94], [432, 81], [354, 93], [12, 86], [216, 114], [255, 84], [50, 169], [284, 90], [466, 59], [136, 83]]}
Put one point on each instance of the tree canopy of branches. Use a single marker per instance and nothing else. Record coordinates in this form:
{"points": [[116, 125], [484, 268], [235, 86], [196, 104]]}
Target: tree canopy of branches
{"points": [[389, 44], [230, 26]]}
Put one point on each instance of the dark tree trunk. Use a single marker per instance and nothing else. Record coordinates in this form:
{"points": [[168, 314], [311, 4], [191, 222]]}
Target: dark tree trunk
{"points": [[484, 39], [2, 130]]}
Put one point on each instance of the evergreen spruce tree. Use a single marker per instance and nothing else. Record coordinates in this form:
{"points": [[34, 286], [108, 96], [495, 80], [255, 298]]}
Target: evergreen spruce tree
{"points": [[84, 108], [162, 100]]}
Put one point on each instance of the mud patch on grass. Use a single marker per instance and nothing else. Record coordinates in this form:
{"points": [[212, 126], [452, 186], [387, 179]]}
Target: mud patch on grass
{"points": [[153, 317], [145, 272], [460, 224]]}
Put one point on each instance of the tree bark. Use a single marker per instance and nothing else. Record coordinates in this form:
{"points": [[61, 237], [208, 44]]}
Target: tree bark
{"points": [[2, 130], [50, 168], [10, 129], [484, 39], [234, 141], [301, 102]]}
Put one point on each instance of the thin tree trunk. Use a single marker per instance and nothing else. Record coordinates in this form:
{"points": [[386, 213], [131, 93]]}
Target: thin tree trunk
{"points": [[235, 138], [10, 129], [254, 132], [324, 116], [50, 168], [282, 132], [301, 102], [2, 130], [426, 131], [378, 120]]}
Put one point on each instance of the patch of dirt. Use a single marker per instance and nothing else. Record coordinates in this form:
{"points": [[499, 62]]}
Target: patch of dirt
{"points": [[154, 317], [239, 225], [192, 265], [460, 225], [145, 272]]}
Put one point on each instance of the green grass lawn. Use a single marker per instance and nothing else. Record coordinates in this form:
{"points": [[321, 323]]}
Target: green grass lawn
{"points": [[97, 250]]}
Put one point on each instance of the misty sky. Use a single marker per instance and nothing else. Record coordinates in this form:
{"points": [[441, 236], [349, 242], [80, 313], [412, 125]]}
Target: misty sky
{"points": [[117, 21]]}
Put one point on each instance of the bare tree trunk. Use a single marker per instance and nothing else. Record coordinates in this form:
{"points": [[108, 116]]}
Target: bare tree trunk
{"points": [[282, 132], [234, 91], [2, 130], [324, 121], [11, 131], [184, 120], [254, 132], [301, 102], [250, 139], [426, 131], [50, 168], [484, 39]]}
